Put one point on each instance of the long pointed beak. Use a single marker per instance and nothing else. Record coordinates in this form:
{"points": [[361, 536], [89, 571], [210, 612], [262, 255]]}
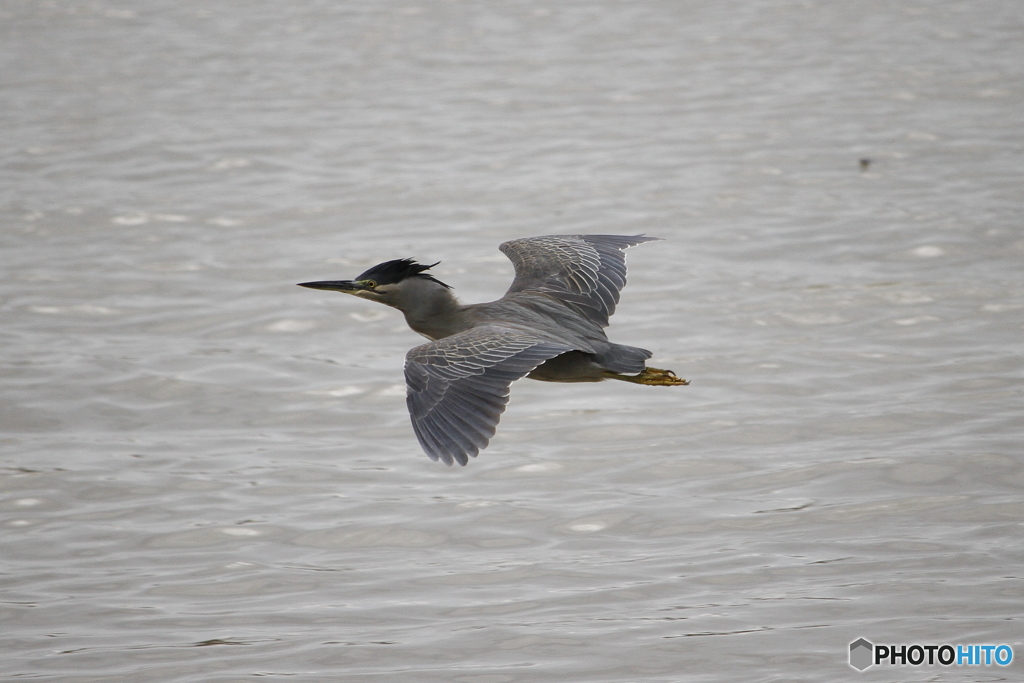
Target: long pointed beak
{"points": [[335, 286]]}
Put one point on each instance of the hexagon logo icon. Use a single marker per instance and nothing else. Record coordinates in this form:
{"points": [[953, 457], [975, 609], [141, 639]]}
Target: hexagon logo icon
{"points": [[861, 654]]}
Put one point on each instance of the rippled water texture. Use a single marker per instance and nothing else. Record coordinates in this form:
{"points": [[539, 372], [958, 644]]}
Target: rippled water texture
{"points": [[209, 475]]}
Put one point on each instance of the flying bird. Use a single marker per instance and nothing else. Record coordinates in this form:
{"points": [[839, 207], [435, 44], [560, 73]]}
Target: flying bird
{"points": [[549, 326]]}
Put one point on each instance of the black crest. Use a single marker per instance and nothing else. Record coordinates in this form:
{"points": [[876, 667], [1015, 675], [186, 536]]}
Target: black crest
{"points": [[391, 272]]}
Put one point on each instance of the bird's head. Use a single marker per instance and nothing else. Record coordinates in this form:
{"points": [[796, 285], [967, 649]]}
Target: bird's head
{"points": [[391, 283]]}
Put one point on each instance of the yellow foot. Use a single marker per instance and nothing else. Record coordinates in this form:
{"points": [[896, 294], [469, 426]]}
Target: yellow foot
{"points": [[653, 377]]}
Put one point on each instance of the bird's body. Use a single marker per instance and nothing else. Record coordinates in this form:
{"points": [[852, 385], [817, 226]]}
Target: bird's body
{"points": [[548, 326]]}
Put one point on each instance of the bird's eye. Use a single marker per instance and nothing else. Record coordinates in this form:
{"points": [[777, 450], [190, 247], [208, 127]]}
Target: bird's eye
{"points": [[369, 284]]}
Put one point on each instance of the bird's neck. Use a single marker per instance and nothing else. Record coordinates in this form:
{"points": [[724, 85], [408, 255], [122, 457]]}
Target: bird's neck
{"points": [[437, 314]]}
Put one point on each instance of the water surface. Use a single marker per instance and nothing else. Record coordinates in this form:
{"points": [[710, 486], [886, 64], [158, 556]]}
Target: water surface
{"points": [[209, 475]]}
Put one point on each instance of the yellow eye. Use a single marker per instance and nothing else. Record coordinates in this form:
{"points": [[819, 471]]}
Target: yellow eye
{"points": [[369, 284]]}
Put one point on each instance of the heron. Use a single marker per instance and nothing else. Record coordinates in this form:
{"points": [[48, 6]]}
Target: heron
{"points": [[548, 326]]}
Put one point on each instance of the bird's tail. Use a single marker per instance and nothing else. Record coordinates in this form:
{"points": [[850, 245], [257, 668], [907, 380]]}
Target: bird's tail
{"points": [[622, 358]]}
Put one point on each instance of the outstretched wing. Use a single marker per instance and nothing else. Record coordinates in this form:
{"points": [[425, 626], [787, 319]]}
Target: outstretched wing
{"points": [[458, 386], [586, 272]]}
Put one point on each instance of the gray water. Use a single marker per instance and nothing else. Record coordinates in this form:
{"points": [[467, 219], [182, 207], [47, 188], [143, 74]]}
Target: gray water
{"points": [[208, 473]]}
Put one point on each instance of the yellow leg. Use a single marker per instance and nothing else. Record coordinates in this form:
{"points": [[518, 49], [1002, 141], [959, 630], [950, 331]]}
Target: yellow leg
{"points": [[651, 376]]}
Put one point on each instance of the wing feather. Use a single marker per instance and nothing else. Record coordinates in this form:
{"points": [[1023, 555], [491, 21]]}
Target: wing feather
{"points": [[458, 386], [586, 272]]}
